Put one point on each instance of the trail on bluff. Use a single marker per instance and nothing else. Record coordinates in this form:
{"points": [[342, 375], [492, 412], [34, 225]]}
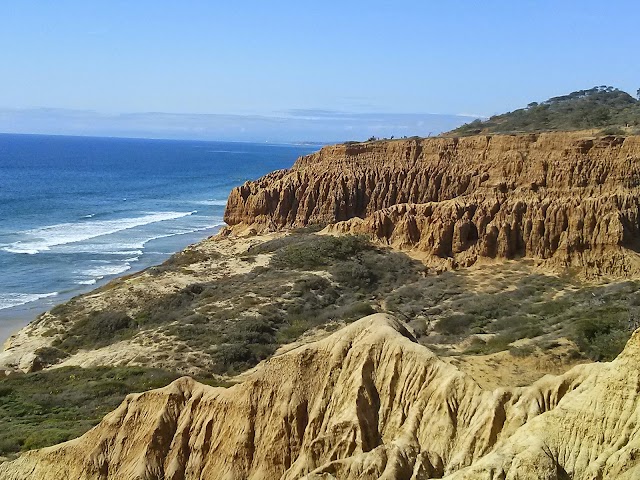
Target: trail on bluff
{"points": [[560, 198], [366, 402]]}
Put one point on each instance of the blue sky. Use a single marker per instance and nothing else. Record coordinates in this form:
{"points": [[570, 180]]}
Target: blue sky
{"points": [[274, 58]]}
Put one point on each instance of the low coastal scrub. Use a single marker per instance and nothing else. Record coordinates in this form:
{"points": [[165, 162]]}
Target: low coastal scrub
{"points": [[605, 108], [603, 335], [314, 281], [49, 407], [97, 329], [310, 253], [499, 305], [239, 320]]}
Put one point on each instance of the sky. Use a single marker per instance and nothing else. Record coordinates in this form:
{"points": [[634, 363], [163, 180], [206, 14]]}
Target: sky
{"points": [[282, 59]]}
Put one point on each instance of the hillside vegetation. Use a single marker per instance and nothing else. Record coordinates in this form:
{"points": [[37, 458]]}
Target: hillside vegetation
{"points": [[607, 109], [227, 324], [313, 281]]}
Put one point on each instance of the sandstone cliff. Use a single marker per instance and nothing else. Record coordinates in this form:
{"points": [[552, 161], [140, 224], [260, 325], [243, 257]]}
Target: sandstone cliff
{"points": [[560, 198], [364, 403]]}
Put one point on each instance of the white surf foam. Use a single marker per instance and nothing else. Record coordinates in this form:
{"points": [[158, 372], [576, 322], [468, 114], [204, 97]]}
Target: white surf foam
{"points": [[135, 247], [123, 252], [42, 239], [86, 282], [110, 249], [102, 271], [8, 300], [176, 232]]}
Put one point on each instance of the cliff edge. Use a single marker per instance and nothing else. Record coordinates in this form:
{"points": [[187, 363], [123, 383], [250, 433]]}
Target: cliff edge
{"points": [[563, 199]]}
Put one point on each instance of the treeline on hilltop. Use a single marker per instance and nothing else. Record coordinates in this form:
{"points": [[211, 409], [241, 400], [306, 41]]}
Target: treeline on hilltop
{"points": [[607, 109]]}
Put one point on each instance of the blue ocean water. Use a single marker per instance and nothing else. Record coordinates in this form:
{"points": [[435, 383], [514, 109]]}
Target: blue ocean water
{"points": [[77, 211]]}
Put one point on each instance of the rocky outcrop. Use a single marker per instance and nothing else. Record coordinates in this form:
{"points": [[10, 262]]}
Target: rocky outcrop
{"points": [[593, 432], [365, 403], [560, 198]]}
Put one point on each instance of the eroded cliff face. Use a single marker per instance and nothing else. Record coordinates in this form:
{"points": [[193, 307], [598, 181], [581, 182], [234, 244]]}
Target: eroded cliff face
{"points": [[558, 197], [365, 403]]}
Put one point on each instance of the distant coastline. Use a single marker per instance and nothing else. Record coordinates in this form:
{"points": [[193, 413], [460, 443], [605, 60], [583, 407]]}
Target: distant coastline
{"points": [[297, 127]]}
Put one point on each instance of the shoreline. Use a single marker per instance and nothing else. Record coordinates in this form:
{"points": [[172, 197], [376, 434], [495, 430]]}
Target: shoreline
{"points": [[14, 319]]}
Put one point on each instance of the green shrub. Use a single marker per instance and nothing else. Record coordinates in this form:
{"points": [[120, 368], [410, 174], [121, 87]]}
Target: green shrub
{"points": [[97, 330], [319, 251], [495, 344], [62, 309], [356, 311], [607, 346], [277, 303], [602, 338], [50, 355], [523, 351], [237, 357], [262, 308], [354, 274], [294, 330], [11, 443], [455, 324], [310, 228]]}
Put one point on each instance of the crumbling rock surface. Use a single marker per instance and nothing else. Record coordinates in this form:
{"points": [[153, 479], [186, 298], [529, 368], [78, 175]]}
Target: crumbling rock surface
{"points": [[367, 402], [557, 197]]}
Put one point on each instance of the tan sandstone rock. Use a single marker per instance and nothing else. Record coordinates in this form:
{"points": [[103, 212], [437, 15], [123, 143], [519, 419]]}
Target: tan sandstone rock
{"points": [[365, 403], [557, 197]]}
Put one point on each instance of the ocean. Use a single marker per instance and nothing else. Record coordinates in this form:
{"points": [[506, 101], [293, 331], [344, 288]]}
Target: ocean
{"points": [[77, 211]]}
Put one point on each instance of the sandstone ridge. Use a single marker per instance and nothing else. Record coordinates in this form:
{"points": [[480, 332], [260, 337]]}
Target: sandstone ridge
{"points": [[365, 403], [560, 198]]}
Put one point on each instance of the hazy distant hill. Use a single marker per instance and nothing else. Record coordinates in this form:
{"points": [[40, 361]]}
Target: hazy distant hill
{"points": [[605, 108]]}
